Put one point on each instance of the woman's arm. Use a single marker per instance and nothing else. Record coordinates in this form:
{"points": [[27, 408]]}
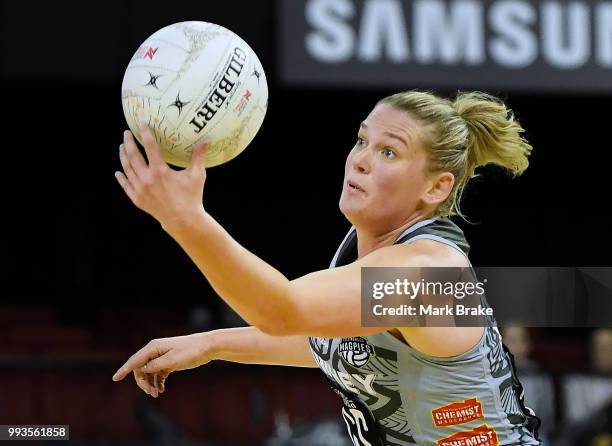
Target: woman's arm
{"points": [[324, 303], [152, 364], [249, 345]]}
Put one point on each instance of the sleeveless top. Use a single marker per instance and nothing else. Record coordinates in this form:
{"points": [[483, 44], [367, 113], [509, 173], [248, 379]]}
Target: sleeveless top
{"points": [[396, 395]]}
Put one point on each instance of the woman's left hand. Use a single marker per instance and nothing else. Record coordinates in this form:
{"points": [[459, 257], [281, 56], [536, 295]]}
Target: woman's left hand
{"points": [[170, 196]]}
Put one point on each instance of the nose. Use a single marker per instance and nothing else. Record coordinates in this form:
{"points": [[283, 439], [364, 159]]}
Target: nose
{"points": [[361, 160]]}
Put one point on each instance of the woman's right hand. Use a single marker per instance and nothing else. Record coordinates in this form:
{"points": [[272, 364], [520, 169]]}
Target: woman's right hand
{"points": [[153, 363]]}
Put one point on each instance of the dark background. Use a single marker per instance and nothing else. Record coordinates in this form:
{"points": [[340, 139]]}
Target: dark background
{"points": [[76, 247], [72, 231]]}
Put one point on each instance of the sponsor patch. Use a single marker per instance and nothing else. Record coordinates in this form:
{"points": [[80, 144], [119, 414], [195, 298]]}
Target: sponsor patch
{"points": [[480, 436], [458, 412]]}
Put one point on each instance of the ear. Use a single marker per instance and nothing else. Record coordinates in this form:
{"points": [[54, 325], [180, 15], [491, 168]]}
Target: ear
{"points": [[440, 187]]}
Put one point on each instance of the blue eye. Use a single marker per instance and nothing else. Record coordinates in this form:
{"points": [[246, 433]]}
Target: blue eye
{"points": [[388, 153], [359, 142]]}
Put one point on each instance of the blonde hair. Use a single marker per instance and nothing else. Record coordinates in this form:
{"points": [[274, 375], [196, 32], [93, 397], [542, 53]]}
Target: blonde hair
{"points": [[461, 135]]}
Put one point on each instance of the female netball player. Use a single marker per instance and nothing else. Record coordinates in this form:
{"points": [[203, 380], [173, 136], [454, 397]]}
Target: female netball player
{"points": [[413, 156]]}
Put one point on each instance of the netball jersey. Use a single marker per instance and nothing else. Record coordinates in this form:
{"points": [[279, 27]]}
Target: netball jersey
{"points": [[395, 395]]}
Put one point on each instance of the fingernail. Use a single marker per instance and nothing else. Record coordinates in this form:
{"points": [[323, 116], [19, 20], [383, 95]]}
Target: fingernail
{"points": [[126, 133], [121, 146]]}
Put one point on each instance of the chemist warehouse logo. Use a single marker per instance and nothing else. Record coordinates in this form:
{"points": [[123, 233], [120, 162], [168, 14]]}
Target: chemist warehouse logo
{"points": [[481, 436], [458, 412], [355, 351]]}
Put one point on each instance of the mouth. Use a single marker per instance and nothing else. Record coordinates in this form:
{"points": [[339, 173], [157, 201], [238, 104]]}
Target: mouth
{"points": [[354, 186]]}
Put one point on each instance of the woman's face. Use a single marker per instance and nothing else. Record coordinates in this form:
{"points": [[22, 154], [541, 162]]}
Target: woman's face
{"points": [[385, 175]]}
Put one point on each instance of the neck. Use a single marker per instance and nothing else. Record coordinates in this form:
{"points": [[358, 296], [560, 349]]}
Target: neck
{"points": [[369, 240]]}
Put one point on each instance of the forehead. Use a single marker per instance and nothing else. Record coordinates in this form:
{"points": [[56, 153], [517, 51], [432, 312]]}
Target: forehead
{"points": [[385, 117]]}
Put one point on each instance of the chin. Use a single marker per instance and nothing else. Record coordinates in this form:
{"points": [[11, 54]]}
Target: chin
{"points": [[351, 212]]}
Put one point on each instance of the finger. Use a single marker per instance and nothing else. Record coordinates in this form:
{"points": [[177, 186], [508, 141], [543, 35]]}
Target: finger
{"points": [[127, 165], [151, 147], [135, 157], [145, 382], [161, 381], [165, 362], [198, 156], [125, 185], [141, 381], [151, 380], [137, 360], [157, 382]]}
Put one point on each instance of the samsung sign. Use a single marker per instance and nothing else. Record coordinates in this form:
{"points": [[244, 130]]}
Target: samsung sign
{"points": [[504, 44]]}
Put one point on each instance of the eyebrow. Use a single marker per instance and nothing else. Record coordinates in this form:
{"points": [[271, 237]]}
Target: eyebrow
{"points": [[389, 134]]}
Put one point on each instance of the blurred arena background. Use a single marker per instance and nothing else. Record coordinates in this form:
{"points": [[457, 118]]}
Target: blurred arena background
{"points": [[87, 279]]}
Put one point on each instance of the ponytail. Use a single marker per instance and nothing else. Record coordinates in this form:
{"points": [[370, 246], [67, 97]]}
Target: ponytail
{"points": [[494, 136]]}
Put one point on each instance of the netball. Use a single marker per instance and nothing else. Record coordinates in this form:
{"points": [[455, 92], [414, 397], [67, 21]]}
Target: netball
{"points": [[195, 80]]}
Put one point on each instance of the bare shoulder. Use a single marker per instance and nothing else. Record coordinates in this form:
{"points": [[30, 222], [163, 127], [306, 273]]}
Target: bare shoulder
{"points": [[433, 341], [421, 253]]}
